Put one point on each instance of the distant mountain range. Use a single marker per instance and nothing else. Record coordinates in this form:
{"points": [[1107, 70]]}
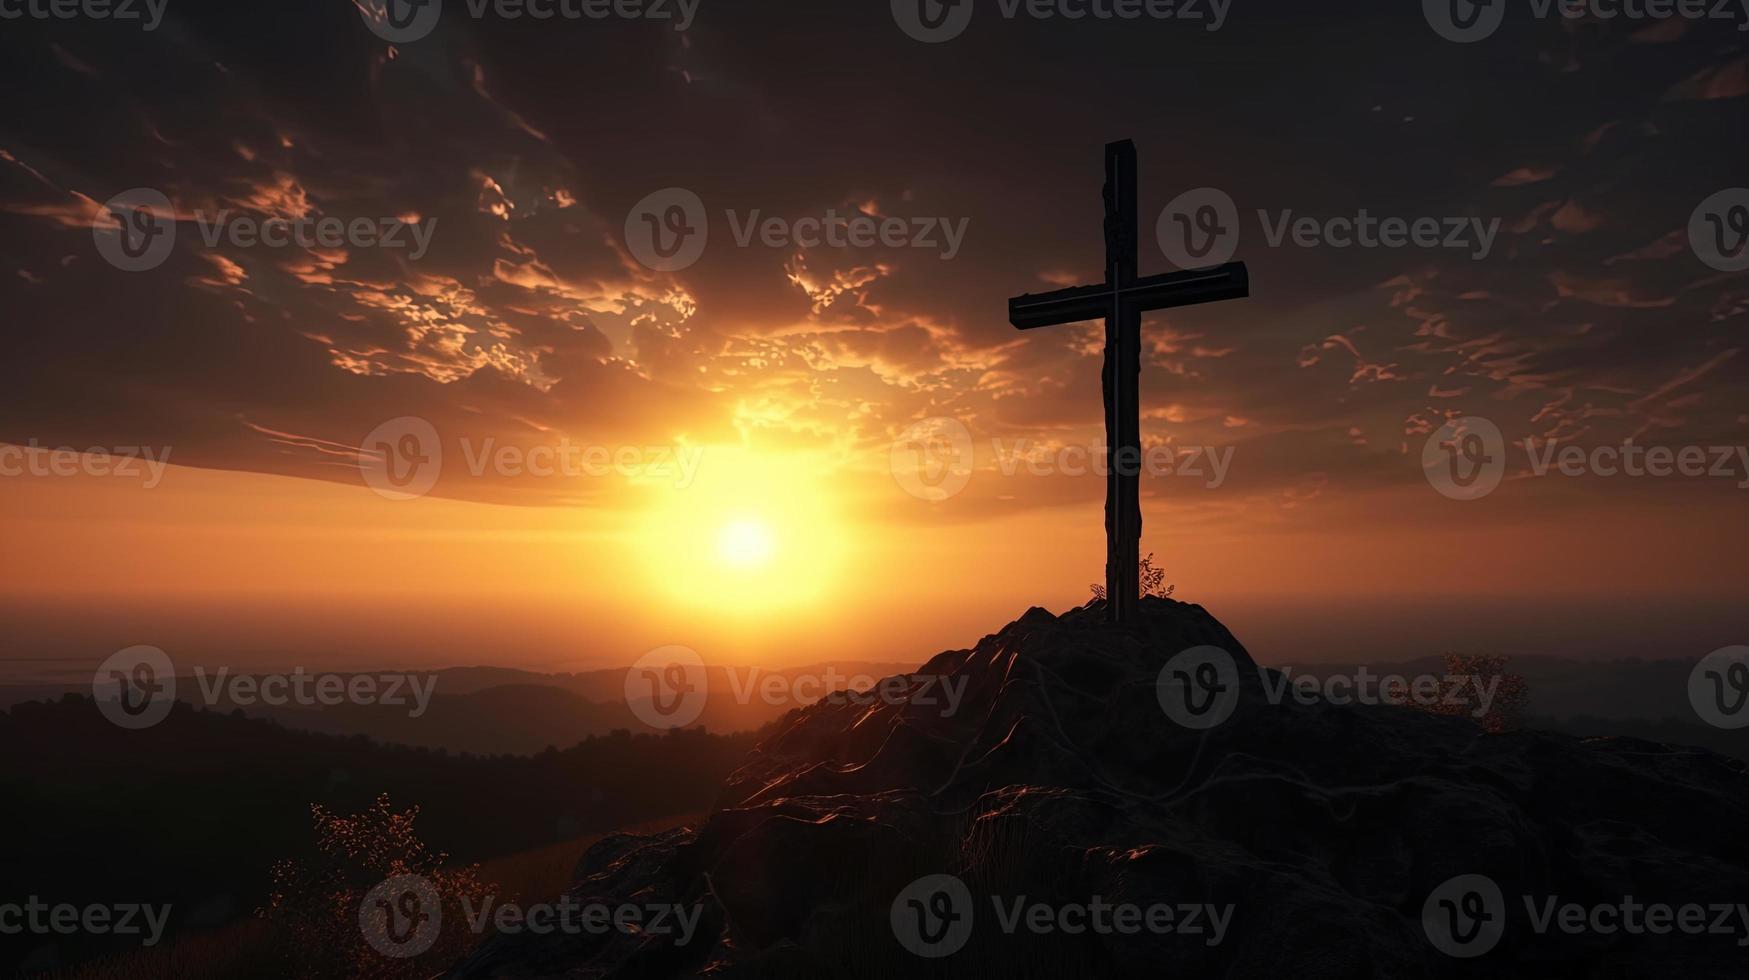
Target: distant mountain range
{"points": [[493, 710], [496, 710]]}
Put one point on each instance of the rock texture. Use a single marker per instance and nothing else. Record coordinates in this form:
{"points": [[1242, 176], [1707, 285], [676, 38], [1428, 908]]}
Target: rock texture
{"points": [[1059, 777]]}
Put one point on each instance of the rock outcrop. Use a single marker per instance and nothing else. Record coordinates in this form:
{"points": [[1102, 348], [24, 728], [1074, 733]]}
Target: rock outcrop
{"points": [[1054, 820]]}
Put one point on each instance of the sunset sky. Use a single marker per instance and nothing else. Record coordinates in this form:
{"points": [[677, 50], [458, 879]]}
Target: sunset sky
{"points": [[783, 375]]}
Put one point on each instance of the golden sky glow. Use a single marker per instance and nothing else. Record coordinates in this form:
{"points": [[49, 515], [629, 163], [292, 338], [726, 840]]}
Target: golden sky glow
{"points": [[530, 328]]}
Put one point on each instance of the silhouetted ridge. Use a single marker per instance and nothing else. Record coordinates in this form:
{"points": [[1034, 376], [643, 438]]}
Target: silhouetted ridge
{"points": [[1060, 777]]}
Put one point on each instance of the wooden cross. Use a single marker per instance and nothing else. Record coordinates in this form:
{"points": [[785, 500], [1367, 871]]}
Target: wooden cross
{"points": [[1121, 300]]}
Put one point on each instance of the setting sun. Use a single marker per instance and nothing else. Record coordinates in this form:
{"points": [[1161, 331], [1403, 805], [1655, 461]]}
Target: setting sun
{"points": [[745, 544], [752, 532]]}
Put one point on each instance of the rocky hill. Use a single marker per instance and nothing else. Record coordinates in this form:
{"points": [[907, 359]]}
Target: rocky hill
{"points": [[1076, 816]]}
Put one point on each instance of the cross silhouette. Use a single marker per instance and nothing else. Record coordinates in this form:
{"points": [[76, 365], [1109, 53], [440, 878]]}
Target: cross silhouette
{"points": [[1121, 300]]}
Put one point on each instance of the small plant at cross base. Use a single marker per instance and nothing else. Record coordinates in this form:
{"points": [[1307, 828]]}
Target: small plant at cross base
{"points": [[1150, 577]]}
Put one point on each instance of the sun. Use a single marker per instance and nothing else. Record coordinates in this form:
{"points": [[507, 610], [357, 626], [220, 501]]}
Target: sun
{"points": [[745, 544], [749, 533]]}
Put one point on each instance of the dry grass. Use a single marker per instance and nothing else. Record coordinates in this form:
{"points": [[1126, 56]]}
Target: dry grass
{"points": [[251, 950]]}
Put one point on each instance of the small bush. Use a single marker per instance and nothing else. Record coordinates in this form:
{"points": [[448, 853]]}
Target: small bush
{"points": [[1151, 578], [315, 904]]}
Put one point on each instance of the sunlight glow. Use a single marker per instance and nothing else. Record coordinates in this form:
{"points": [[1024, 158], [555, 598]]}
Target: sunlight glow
{"points": [[745, 544], [751, 533]]}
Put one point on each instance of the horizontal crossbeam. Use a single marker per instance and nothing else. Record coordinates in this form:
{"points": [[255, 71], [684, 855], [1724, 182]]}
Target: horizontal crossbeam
{"points": [[1230, 281]]}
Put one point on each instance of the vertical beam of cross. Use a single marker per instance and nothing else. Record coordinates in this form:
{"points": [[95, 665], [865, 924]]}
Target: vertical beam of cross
{"points": [[1120, 301], [1122, 386]]}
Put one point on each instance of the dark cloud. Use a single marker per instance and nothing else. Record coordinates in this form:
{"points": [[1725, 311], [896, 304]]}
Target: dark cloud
{"points": [[528, 319]]}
